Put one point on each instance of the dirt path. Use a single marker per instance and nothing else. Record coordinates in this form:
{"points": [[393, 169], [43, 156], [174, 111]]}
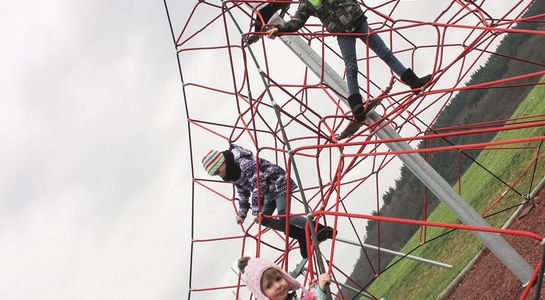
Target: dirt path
{"points": [[489, 278]]}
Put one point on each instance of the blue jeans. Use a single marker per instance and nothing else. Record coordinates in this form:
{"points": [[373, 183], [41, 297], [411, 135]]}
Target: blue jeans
{"points": [[348, 50], [280, 223]]}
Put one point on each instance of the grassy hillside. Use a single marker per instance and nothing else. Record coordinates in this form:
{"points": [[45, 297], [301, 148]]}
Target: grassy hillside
{"points": [[406, 198], [411, 280]]}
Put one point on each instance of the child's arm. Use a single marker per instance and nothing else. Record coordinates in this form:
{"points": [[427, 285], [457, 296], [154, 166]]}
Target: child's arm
{"points": [[297, 22], [260, 187], [323, 280], [243, 203]]}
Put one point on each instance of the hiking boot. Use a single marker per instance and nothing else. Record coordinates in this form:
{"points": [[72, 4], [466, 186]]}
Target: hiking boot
{"points": [[349, 131], [298, 233], [356, 105], [414, 81], [325, 233], [251, 39], [303, 247]]}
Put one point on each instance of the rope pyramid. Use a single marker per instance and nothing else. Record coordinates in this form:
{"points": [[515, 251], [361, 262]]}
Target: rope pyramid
{"points": [[263, 98]]}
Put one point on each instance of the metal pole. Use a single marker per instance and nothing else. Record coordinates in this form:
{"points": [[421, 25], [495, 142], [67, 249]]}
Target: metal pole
{"points": [[396, 253], [420, 168], [541, 269]]}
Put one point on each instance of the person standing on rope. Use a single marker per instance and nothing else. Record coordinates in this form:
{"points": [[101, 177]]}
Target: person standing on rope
{"points": [[267, 281], [265, 14], [346, 16], [238, 165]]}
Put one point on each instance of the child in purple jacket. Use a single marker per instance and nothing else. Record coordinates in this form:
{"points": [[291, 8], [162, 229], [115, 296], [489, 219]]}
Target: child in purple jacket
{"points": [[238, 165]]}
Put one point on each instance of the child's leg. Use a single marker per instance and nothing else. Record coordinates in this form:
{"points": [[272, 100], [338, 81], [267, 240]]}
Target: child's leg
{"points": [[405, 74], [296, 224], [281, 209], [268, 210], [280, 223], [379, 47], [323, 232], [347, 44]]}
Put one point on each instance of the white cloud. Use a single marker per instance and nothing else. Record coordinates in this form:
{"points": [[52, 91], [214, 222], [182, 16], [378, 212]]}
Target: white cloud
{"points": [[94, 160]]}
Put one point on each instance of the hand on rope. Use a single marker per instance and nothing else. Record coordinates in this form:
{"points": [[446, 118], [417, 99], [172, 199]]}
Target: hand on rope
{"points": [[323, 280], [239, 220], [271, 31]]}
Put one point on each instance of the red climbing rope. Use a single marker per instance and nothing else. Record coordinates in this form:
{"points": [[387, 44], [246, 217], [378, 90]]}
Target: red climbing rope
{"points": [[231, 91]]}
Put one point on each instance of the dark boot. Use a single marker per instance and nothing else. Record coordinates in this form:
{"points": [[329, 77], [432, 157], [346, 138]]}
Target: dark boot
{"points": [[356, 105], [298, 233], [251, 39], [325, 233], [414, 81]]}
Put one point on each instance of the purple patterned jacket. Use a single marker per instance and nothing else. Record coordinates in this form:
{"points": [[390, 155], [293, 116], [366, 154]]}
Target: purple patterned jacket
{"points": [[272, 181]]}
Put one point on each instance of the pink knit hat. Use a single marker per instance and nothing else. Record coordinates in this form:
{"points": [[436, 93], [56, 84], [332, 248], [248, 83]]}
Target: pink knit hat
{"points": [[255, 269]]}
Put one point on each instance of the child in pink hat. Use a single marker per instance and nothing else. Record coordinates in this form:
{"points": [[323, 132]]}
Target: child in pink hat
{"points": [[267, 281]]}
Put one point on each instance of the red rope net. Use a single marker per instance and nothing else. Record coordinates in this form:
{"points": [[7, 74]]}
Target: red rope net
{"points": [[230, 97]]}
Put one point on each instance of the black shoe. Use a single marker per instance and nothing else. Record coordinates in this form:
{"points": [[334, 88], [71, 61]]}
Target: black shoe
{"points": [[251, 39], [298, 233], [414, 81], [303, 247], [422, 81], [325, 233], [356, 105], [350, 129]]}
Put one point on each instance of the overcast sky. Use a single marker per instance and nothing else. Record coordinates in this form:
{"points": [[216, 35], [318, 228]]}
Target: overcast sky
{"points": [[93, 155], [94, 177]]}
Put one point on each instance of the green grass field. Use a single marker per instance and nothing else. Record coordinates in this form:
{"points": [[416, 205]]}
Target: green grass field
{"points": [[412, 280]]}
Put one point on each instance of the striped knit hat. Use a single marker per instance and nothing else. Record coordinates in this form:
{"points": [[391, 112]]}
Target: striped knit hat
{"points": [[213, 161], [255, 269]]}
